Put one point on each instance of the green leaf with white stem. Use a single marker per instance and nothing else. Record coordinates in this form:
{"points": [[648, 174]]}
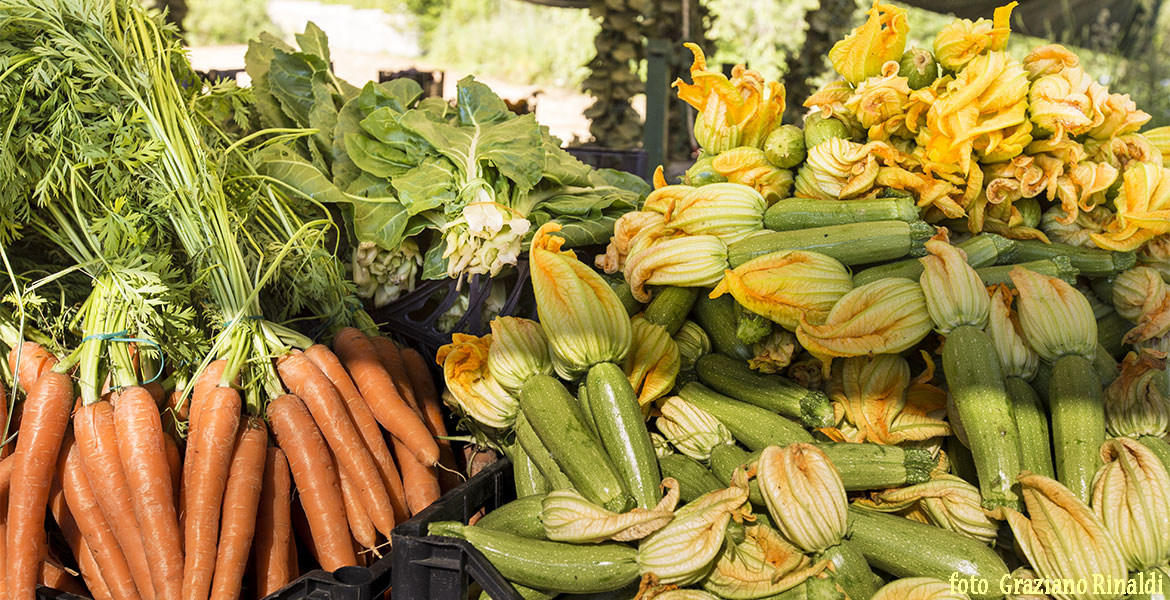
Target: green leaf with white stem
{"points": [[427, 186], [398, 95]]}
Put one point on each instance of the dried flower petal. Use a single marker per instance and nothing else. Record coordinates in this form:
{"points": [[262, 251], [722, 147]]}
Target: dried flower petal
{"points": [[774, 353]]}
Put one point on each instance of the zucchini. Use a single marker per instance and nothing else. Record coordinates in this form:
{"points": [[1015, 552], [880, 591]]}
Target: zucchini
{"points": [[982, 250], [1158, 446], [961, 462], [850, 570], [556, 419], [1041, 380], [529, 479], [552, 566], [805, 213], [906, 548], [733, 378], [670, 307], [693, 478], [725, 459], [622, 429], [519, 517], [525, 593], [754, 427], [1091, 262], [1059, 267], [717, 317], [1111, 330], [751, 328], [861, 466], [973, 375], [529, 443], [1106, 366], [1078, 423], [629, 592], [1032, 425], [851, 244], [586, 409], [626, 296]]}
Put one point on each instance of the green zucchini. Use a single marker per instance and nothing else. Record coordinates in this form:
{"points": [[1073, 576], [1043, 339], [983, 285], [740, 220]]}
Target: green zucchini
{"points": [[622, 429], [670, 307], [693, 478], [851, 244], [586, 409], [733, 378], [629, 592], [552, 566], [1091, 262], [529, 443], [1059, 267], [1078, 423], [982, 250], [973, 375], [526, 593], [1158, 446], [626, 296], [529, 479], [1106, 366], [725, 459], [961, 462], [850, 570], [1041, 380], [818, 128], [554, 416], [906, 548], [751, 425], [1111, 330], [717, 317], [861, 466], [519, 517], [1032, 425], [805, 213]]}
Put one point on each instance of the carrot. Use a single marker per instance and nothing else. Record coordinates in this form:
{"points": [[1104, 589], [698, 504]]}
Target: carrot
{"points": [[4, 533], [55, 576], [157, 392], [45, 419], [366, 424], [4, 426], [205, 381], [210, 456], [35, 361], [141, 446], [316, 479], [175, 463], [391, 359], [422, 486], [83, 508], [97, 442], [432, 409], [91, 574], [360, 524], [181, 411], [241, 500], [304, 379], [6, 466], [90, 571], [360, 358], [270, 549]]}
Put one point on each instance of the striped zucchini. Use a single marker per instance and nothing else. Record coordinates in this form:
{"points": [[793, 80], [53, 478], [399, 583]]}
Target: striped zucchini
{"points": [[752, 426], [586, 409], [1091, 262], [733, 378], [529, 443], [717, 317], [670, 307], [1032, 425], [725, 459], [962, 464], [622, 430], [850, 571], [693, 478], [626, 296], [851, 244], [1078, 423], [861, 466], [982, 250], [1111, 330], [519, 517], [529, 479], [1059, 267], [805, 213]]}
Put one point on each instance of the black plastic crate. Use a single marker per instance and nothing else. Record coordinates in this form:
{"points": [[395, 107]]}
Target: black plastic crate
{"points": [[346, 583], [630, 161], [48, 593], [443, 568]]}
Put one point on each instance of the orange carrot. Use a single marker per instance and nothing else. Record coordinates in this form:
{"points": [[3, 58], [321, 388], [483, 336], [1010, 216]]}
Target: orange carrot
{"points": [[4, 427], [432, 409], [34, 362], [87, 515], [366, 424], [205, 381], [360, 358], [360, 524], [241, 500], [273, 540], [143, 452], [4, 532], [316, 479], [6, 466], [422, 487], [157, 392], [391, 359], [210, 456], [97, 441], [44, 422], [306, 381], [90, 571], [175, 463], [55, 576]]}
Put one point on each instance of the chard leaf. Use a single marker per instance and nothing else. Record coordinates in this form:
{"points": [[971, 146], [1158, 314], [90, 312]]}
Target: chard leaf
{"points": [[292, 77], [477, 104], [397, 95], [434, 265], [323, 118], [257, 60], [591, 232], [314, 41], [428, 186], [622, 180], [512, 147]]}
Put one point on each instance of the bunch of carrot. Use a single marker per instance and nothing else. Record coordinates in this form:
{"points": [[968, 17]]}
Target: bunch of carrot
{"points": [[144, 519]]}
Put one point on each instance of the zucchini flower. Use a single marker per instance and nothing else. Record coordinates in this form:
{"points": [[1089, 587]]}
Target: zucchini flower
{"points": [[1159, 137], [583, 318], [832, 119], [384, 275], [879, 103], [958, 43], [661, 200], [625, 229], [652, 363], [1016, 358], [519, 350], [1142, 296], [784, 147], [662, 446], [807, 371], [568, 517], [1077, 232], [1069, 102], [763, 565], [749, 166], [1131, 496], [1049, 60], [918, 67], [741, 111], [692, 430], [804, 494], [1121, 116], [472, 388], [880, 39], [486, 237], [1055, 317], [677, 594], [773, 353], [955, 295], [872, 402], [1062, 538], [1155, 254], [1024, 581], [684, 551], [728, 211], [918, 588], [1143, 209], [838, 169], [886, 316], [692, 343], [787, 285], [690, 261], [1134, 405], [945, 501]]}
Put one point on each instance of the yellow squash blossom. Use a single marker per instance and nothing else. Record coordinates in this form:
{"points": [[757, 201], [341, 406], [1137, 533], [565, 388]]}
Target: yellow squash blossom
{"points": [[688, 261], [1055, 224], [945, 501], [955, 295], [1123, 151], [473, 390], [1061, 170], [1067, 103], [886, 316], [838, 169], [763, 565], [1134, 405], [786, 285], [880, 103], [1143, 209], [652, 363], [625, 229], [1050, 59], [919, 588], [1056, 318], [741, 111], [959, 42], [693, 343], [1160, 138], [1131, 496], [805, 495], [1142, 296], [692, 430], [875, 401], [749, 166], [774, 353], [568, 517], [1121, 116], [880, 39], [830, 100], [1016, 357], [728, 211], [518, 351]]}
